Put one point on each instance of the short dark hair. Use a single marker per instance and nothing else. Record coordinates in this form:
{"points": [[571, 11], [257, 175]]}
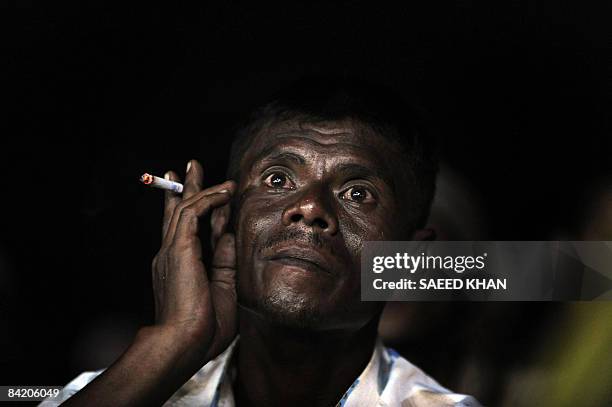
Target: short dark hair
{"points": [[316, 99]]}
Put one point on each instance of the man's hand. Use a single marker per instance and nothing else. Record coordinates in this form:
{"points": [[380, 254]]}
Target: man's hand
{"points": [[201, 309], [195, 314]]}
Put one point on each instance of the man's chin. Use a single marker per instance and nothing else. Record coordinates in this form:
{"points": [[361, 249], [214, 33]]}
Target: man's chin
{"points": [[286, 309]]}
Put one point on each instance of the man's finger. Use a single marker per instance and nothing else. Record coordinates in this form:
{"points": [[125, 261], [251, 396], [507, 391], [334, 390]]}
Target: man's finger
{"points": [[171, 199], [229, 186], [188, 219], [223, 284], [219, 219], [193, 179], [224, 261]]}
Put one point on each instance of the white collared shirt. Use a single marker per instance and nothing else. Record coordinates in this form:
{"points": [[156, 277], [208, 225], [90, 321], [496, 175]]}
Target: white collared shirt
{"points": [[388, 380]]}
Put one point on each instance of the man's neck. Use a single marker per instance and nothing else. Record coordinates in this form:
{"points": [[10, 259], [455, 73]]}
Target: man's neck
{"points": [[286, 367]]}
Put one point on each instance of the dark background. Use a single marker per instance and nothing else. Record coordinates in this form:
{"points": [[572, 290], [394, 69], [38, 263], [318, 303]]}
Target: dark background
{"points": [[519, 94]]}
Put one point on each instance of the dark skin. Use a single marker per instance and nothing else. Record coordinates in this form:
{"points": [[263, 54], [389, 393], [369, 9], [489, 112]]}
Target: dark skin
{"points": [[308, 197]]}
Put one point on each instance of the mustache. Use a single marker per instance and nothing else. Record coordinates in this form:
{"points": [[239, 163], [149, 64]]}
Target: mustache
{"points": [[313, 239]]}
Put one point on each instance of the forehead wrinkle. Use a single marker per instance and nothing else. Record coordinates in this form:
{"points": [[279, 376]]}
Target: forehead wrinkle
{"points": [[314, 148], [270, 142], [319, 138]]}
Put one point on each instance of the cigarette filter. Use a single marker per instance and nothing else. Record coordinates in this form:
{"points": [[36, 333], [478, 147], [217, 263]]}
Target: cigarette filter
{"points": [[162, 183]]}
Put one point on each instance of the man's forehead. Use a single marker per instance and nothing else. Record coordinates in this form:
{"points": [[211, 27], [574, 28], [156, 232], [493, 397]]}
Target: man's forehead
{"points": [[344, 137]]}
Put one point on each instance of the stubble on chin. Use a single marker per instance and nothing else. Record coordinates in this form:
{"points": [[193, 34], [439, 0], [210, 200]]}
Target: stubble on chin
{"points": [[291, 310]]}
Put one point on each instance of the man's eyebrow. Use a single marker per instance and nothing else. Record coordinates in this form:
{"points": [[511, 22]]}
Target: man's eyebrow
{"points": [[273, 153], [370, 171]]}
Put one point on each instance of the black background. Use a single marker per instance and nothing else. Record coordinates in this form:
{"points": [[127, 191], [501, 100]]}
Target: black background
{"points": [[97, 94]]}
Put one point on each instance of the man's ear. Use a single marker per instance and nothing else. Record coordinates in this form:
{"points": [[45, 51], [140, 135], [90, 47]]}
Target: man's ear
{"points": [[424, 234]]}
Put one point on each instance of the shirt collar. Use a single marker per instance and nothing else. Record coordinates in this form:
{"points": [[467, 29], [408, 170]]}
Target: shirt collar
{"points": [[211, 385]]}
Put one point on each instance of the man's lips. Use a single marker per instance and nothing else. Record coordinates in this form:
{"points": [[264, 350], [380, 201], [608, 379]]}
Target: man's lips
{"points": [[300, 256]]}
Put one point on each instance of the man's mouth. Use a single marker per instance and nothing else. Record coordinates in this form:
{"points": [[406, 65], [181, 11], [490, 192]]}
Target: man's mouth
{"points": [[303, 257]]}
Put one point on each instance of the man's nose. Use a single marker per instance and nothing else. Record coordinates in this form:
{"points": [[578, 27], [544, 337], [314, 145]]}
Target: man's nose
{"points": [[313, 207]]}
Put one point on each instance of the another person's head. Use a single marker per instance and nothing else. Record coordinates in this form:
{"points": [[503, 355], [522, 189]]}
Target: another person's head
{"points": [[325, 166]]}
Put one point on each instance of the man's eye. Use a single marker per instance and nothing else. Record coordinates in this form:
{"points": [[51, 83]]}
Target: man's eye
{"points": [[278, 180], [358, 194]]}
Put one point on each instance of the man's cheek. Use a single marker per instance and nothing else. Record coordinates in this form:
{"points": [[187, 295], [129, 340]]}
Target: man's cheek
{"points": [[357, 230], [354, 234], [256, 217]]}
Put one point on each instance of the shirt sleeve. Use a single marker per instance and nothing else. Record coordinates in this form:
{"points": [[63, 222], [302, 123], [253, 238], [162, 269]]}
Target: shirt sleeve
{"points": [[74, 386]]}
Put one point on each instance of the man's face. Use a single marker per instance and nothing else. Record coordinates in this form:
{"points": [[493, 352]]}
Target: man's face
{"points": [[309, 196]]}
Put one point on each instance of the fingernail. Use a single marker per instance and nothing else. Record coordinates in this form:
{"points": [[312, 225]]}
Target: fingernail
{"points": [[224, 191], [167, 175], [188, 166]]}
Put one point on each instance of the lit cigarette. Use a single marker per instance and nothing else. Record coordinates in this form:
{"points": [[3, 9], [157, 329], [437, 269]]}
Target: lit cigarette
{"points": [[157, 182]]}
